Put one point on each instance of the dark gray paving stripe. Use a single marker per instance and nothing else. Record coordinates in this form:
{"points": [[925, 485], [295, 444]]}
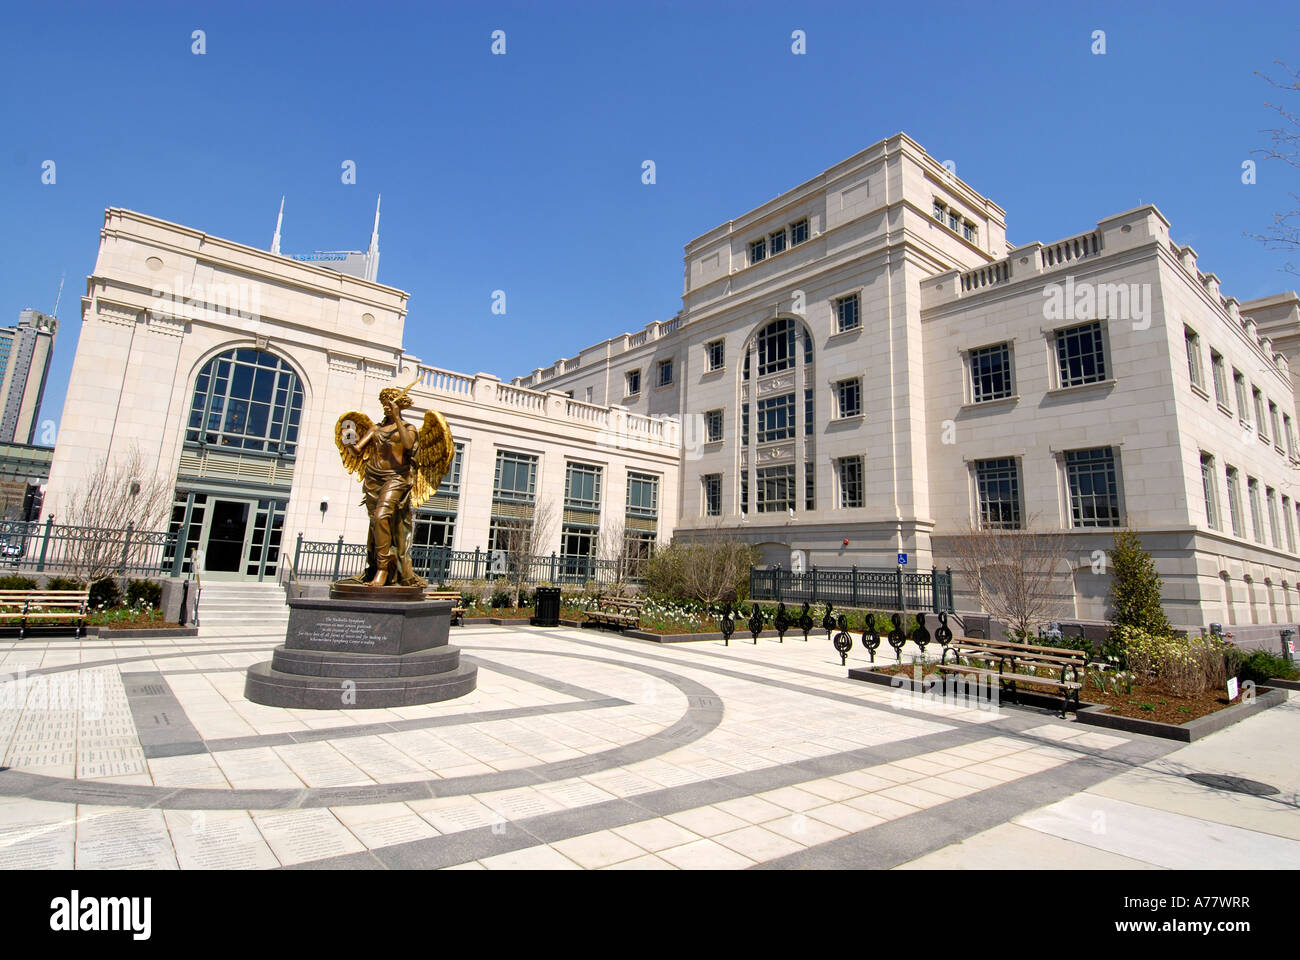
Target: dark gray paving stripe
{"points": [[703, 714], [539, 679], [907, 838], [160, 720], [65, 667]]}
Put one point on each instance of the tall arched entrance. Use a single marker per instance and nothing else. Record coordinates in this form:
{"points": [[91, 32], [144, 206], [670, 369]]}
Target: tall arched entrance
{"points": [[236, 465]]}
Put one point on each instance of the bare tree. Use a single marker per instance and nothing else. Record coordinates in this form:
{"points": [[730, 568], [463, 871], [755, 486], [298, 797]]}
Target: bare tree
{"points": [[115, 502], [522, 541], [709, 568], [1284, 234], [1012, 573], [612, 549]]}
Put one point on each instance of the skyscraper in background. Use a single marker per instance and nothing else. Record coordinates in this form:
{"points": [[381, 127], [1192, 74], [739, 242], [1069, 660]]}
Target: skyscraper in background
{"points": [[25, 352]]}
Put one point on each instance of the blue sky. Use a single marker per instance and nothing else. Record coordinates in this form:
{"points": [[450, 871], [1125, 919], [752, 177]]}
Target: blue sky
{"points": [[523, 172]]}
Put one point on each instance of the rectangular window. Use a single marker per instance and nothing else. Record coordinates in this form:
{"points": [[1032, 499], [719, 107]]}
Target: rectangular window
{"points": [[849, 395], [1290, 523], [716, 354], [939, 210], [665, 369], [798, 232], [590, 390], [850, 471], [744, 492], [1274, 531], [516, 477], [577, 550], [1234, 501], [776, 242], [1243, 410], [642, 495], [847, 313], [954, 220], [758, 250], [1275, 424], [969, 231], [990, 373], [809, 413], [1093, 483], [1289, 431], [1261, 424], [1193, 344], [1080, 355], [776, 418], [633, 383], [712, 494], [1256, 515], [1220, 381], [1211, 496], [775, 489], [582, 487], [744, 425], [450, 485], [776, 347], [997, 486], [809, 486], [713, 426]]}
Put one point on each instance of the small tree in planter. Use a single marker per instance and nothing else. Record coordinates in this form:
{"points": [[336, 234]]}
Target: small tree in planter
{"points": [[1135, 586]]}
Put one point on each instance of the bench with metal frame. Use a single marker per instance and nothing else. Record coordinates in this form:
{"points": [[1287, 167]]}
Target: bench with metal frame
{"points": [[56, 605], [1012, 663], [620, 613], [457, 611]]}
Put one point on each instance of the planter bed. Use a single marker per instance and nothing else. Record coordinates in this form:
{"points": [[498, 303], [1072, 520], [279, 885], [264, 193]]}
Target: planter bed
{"points": [[1099, 714]]}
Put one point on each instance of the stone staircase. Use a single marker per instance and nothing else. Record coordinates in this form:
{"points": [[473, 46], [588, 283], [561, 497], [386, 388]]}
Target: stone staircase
{"points": [[242, 608]]}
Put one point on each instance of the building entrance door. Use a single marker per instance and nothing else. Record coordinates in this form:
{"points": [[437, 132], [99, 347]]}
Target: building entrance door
{"points": [[227, 536]]}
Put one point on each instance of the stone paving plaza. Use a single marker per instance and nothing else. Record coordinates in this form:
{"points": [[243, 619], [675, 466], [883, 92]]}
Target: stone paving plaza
{"points": [[589, 750]]}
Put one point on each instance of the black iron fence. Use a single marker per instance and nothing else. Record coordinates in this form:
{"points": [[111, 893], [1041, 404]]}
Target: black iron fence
{"points": [[333, 560], [50, 547], [883, 588]]}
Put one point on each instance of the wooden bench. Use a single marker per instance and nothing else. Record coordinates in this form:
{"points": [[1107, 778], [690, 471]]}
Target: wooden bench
{"points": [[457, 612], [617, 612], [18, 606], [1013, 663]]}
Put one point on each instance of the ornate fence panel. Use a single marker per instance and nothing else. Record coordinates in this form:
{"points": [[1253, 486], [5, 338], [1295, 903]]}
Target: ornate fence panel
{"points": [[880, 588], [87, 552]]}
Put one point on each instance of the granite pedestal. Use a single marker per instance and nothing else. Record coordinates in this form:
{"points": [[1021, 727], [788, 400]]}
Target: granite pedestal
{"points": [[352, 652]]}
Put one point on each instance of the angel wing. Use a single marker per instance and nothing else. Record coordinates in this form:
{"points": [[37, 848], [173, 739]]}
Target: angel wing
{"points": [[353, 425], [434, 449]]}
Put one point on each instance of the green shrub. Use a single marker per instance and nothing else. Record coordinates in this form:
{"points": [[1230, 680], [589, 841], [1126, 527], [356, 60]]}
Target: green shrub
{"points": [[715, 571], [17, 583], [1135, 586], [1262, 666], [65, 583], [105, 593], [142, 592]]}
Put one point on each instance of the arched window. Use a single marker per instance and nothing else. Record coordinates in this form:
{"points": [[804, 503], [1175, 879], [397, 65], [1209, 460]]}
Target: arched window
{"points": [[246, 399], [776, 347]]}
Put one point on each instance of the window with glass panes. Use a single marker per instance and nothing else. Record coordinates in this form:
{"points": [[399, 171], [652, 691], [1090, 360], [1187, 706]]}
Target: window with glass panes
{"points": [[1275, 423], [1289, 432], [775, 488], [716, 352], [776, 418], [247, 399], [712, 494], [1207, 487], [713, 426], [849, 394], [1274, 531], [582, 486], [1243, 405], [744, 492], [758, 250], [633, 383], [851, 485], [776, 347], [1081, 355], [1220, 380], [1193, 345], [798, 232], [1261, 422], [808, 412], [665, 372], [997, 485], [1093, 483], [1234, 501], [1256, 513], [744, 425], [990, 373], [776, 241], [515, 480], [1289, 522], [809, 486], [642, 495], [847, 312]]}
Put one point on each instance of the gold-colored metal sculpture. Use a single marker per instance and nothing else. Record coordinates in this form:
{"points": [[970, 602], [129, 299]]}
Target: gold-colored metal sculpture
{"points": [[399, 469]]}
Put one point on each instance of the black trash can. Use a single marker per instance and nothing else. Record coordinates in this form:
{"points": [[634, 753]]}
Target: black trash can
{"points": [[548, 608]]}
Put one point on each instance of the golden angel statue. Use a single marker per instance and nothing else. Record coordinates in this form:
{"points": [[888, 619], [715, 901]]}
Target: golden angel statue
{"points": [[399, 469]]}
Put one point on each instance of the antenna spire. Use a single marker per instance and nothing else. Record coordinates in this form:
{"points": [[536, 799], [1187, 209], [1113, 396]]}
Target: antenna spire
{"points": [[372, 254], [275, 241]]}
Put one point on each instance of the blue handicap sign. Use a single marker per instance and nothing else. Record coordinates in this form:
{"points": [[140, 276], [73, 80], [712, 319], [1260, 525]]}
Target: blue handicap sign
{"points": [[902, 559]]}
